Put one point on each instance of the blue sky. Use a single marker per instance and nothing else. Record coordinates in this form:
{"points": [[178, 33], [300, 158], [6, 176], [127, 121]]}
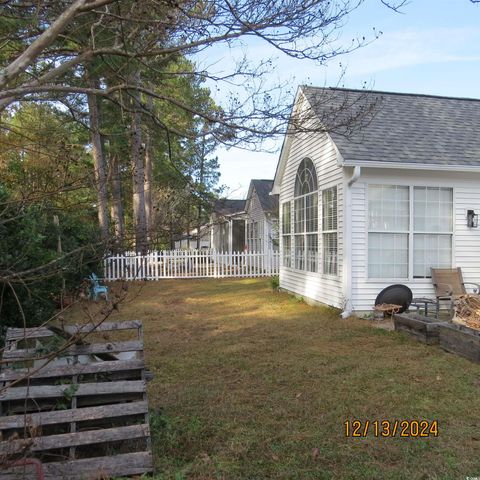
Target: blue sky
{"points": [[432, 48]]}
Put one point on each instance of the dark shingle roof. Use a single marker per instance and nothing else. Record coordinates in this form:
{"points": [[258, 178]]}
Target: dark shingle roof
{"points": [[226, 206], [406, 128], [263, 188]]}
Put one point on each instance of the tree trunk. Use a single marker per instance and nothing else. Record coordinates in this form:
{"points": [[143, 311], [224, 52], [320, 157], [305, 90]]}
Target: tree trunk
{"points": [[116, 210], [98, 162], [199, 206], [138, 179], [149, 178]]}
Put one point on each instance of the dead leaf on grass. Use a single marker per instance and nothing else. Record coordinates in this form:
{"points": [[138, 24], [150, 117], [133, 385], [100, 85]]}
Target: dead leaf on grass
{"points": [[315, 453], [205, 457]]}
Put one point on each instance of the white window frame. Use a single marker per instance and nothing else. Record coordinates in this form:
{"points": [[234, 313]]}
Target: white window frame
{"points": [[326, 232], [304, 233], [286, 234], [410, 278], [427, 232]]}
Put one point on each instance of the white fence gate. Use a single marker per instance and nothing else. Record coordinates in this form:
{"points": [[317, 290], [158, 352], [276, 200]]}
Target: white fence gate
{"points": [[190, 264]]}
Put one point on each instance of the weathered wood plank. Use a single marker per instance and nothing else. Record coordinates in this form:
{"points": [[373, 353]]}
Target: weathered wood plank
{"points": [[84, 389], [104, 327], [77, 415], [461, 340], [39, 332], [116, 465], [423, 329], [64, 440], [91, 349], [70, 370], [20, 333]]}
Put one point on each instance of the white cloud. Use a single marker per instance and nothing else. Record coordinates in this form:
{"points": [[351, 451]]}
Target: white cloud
{"points": [[406, 48]]}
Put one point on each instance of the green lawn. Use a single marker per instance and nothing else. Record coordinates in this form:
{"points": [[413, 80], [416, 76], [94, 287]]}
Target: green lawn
{"points": [[255, 384]]}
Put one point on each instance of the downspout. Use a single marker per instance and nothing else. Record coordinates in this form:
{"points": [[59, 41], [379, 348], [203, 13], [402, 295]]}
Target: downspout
{"points": [[347, 244]]}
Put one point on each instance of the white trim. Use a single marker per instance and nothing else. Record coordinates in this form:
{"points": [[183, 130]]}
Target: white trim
{"points": [[414, 166], [347, 239], [287, 143]]}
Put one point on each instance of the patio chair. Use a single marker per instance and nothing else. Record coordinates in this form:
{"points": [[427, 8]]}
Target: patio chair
{"points": [[96, 288], [449, 285]]}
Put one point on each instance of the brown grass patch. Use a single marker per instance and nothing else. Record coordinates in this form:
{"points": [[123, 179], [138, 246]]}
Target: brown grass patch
{"points": [[253, 384]]}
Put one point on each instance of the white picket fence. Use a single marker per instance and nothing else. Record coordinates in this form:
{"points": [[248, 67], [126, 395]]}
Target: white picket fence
{"points": [[190, 264]]}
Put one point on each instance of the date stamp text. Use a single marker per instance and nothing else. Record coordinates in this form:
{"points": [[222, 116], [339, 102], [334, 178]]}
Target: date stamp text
{"points": [[390, 428]]}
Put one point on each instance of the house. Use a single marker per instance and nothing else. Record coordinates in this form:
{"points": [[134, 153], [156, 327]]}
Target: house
{"points": [[228, 225], [189, 240], [261, 211], [380, 205]]}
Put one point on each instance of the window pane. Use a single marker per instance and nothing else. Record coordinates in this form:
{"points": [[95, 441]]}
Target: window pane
{"points": [[311, 212], [387, 255], [287, 251], [329, 209], [286, 217], [311, 253], [433, 209], [330, 253], [299, 215], [300, 252], [388, 208], [431, 251]]}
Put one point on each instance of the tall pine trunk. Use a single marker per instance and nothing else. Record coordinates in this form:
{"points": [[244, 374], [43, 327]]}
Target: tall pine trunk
{"points": [[138, 178], [149, 177], [98, 162], [116, 210]]}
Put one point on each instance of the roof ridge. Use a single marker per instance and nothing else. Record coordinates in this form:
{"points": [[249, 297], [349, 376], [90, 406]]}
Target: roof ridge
{"points": [[406, 94]]}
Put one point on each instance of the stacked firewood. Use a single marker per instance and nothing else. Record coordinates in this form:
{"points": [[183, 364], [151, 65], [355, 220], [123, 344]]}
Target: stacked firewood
{"points": [[467, 311]]}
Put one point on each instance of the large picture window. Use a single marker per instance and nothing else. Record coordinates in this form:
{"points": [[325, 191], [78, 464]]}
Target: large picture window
{"points": [[306, 217], [329, 228], [408, 226]]}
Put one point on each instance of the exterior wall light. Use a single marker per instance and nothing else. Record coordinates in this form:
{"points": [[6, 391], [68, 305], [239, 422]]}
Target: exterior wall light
{"points": [[472, 219]]}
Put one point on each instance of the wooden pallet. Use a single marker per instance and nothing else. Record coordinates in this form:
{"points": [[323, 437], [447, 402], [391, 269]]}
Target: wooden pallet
{"points": [[82, 417]]}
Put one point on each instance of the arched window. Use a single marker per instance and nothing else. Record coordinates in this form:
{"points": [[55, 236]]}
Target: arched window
{"points": [[306, 217], [306, 179]]}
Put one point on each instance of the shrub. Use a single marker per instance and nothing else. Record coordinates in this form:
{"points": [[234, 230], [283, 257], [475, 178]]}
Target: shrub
{"points": [[275, 282], [28, 242]]}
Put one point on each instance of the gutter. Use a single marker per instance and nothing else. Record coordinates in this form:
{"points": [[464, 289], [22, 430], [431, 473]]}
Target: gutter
{"points": [[347, 244], [414, 166]]}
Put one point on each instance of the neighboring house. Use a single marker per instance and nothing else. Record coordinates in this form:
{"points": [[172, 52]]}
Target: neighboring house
{"points": [[228, 225], [261, 209], [383, 205], [188, 241]]}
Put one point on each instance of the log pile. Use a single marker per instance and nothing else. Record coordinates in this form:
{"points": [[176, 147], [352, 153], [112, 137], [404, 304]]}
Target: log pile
{"points": [[467, 311], [388, 308]]}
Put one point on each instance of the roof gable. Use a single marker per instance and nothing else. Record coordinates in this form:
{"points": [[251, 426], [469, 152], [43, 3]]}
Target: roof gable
{"points": [[269, 203]]}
